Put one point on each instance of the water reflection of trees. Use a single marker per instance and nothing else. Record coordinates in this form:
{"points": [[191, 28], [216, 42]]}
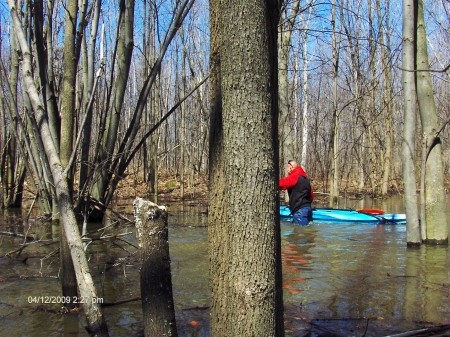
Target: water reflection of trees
{"points": [[427, 284], [296, 256]]}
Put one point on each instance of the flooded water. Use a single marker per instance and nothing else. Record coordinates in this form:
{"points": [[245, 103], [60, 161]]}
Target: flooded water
{"points": [[350, 280]]}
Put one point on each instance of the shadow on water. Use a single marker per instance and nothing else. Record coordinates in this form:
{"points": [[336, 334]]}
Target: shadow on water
{"points": [[341, 280]]}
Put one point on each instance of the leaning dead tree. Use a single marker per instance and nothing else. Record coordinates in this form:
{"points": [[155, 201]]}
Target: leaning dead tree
{"points": [[156, 279]]}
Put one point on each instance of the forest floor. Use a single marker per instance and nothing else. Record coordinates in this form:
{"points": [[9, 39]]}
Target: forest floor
{"points": [[169, 187], [197, 188]]}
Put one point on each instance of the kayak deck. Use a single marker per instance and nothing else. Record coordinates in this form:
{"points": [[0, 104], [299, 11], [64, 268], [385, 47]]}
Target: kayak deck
{"points": [[329, 215]]}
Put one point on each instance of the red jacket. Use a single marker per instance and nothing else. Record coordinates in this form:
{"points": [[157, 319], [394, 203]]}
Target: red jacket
{"points": [[288, 183]]}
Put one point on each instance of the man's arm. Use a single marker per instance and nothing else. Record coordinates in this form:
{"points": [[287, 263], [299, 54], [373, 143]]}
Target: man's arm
{"points": [[288, 182]]}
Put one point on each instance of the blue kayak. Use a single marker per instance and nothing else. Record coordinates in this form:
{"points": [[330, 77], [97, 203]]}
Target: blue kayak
{"points": [[331, 215]]}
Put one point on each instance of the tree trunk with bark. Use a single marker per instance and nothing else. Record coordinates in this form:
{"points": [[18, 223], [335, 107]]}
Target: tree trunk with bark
{"points": [[156, 279], [217, 224], [68, 277], [251, 267], [435, 207], [88, 85], [409, 127]]}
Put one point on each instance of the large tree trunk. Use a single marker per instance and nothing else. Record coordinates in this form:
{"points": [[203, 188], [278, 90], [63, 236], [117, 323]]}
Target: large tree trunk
{"points": [[156, 279], [409, 127], [435, 208], [217, 225], [252, 278]]}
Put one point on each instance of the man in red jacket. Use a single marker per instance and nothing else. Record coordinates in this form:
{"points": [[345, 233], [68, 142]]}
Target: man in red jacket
{"points": [[300, 193]]}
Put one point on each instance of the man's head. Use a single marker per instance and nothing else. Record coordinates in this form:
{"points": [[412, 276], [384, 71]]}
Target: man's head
{"points": [[292, 164]]}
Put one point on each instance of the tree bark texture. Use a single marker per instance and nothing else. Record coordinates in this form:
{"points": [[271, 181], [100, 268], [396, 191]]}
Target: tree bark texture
{"points": [[435, 207], [156, 280], [69, 79], [67, 271], [252, 278], [52, 99], [409, 128], [217, 225]]}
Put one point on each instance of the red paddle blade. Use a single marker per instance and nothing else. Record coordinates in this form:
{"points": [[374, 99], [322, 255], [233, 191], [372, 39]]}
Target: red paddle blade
{"points": [[372, 211]]}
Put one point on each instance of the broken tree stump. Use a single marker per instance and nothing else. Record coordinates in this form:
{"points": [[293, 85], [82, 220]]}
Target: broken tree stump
{"points": [[156, 279]]}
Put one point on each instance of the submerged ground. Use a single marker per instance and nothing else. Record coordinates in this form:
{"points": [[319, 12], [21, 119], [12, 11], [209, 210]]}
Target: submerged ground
{"points": [[339, 280]]}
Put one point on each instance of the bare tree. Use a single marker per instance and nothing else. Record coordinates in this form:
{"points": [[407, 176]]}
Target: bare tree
{"points": [[116, 158], [388, 96], [433, 209], [287, 130], [335, 121], [12, 172], [409, 129], [110, 136]]}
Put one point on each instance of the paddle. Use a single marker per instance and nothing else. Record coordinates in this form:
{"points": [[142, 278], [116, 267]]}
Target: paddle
{"points": [[371, 211]]}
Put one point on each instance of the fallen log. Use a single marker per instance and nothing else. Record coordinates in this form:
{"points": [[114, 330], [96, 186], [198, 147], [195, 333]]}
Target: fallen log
{"points": [[27, 237]]}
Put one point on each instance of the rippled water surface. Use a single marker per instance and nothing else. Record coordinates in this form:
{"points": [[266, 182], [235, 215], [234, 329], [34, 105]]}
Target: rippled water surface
{"points": [[352, 280]]}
